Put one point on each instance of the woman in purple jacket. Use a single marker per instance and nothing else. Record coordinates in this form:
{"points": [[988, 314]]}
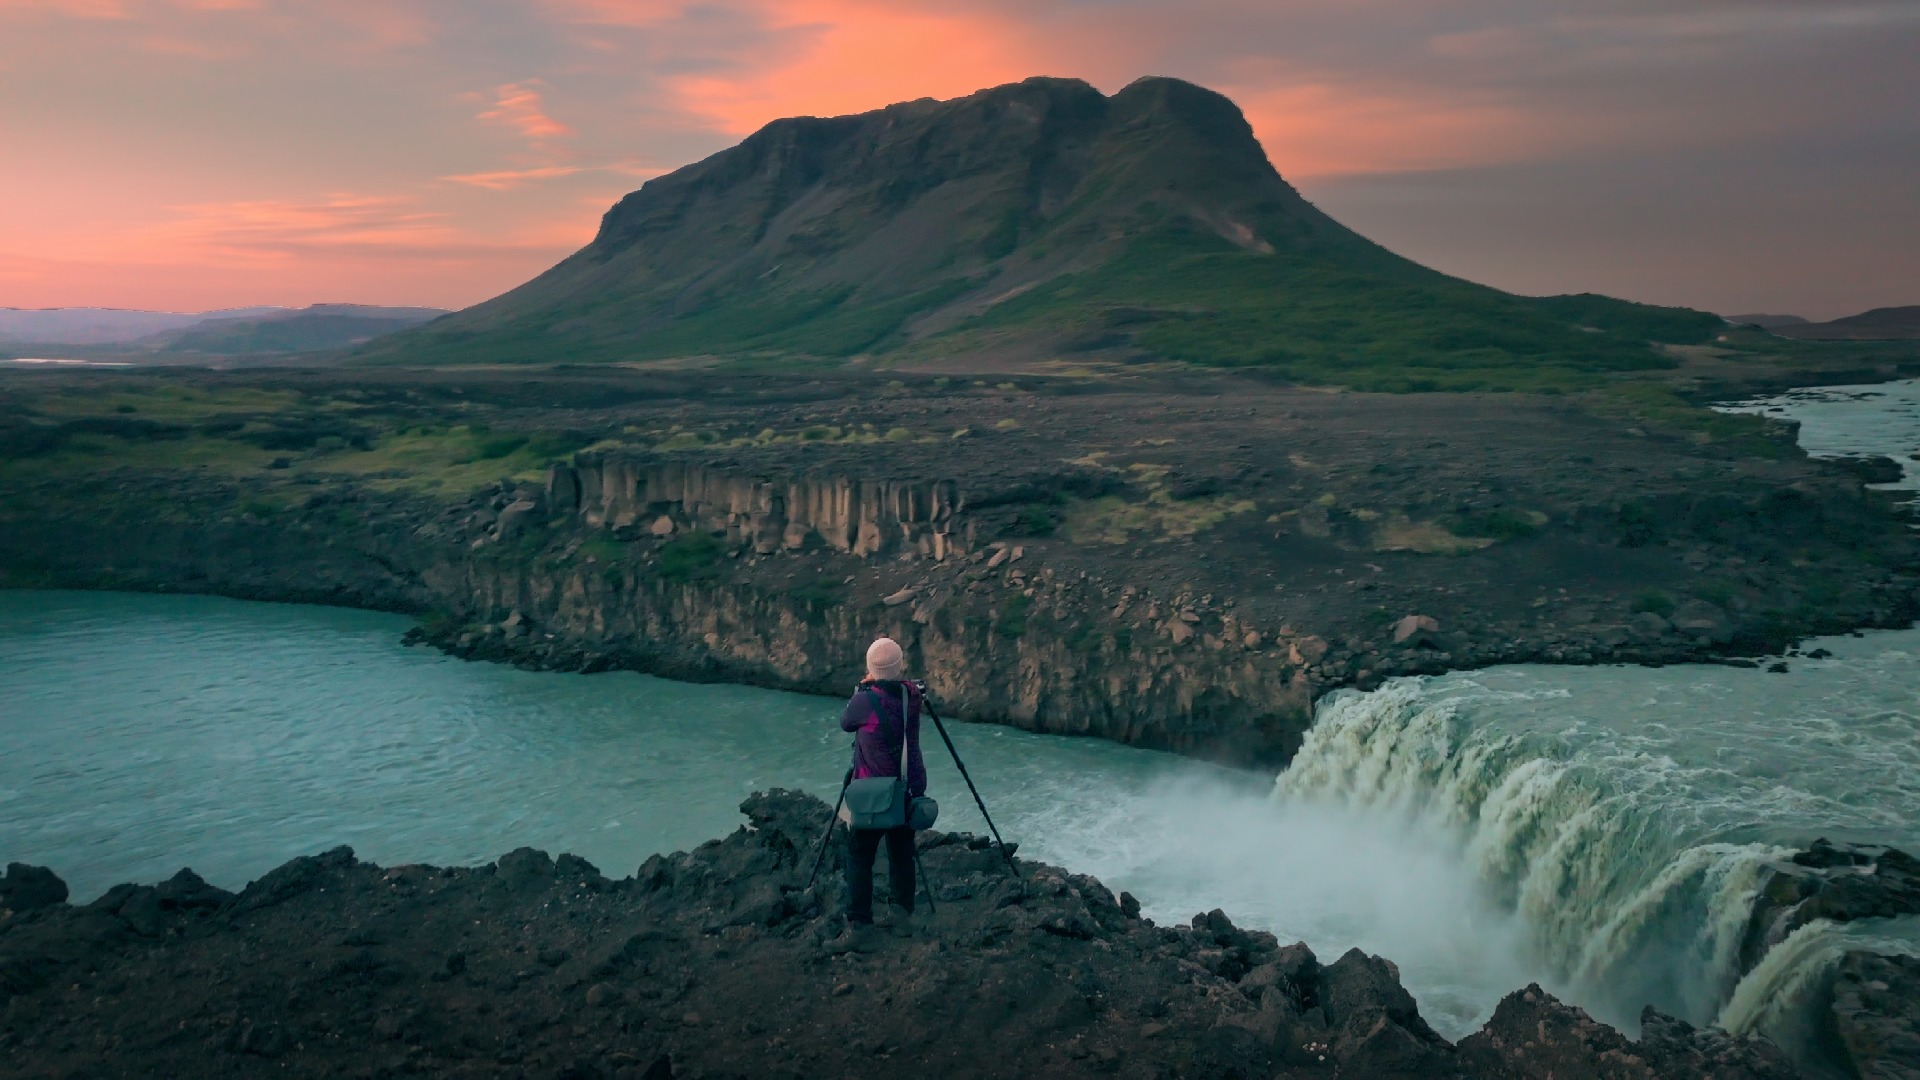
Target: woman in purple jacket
{"points": [[878, 722]]}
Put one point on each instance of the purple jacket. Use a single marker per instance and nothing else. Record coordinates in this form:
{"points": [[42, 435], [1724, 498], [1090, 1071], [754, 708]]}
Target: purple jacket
{"points": [[873, 715]]}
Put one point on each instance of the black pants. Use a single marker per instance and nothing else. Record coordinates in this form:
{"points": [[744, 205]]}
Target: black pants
{"points": [[862, 846]]}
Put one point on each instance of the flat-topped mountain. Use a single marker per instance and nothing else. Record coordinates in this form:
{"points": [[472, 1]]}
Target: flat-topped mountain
{"points": [[1037, 220]]}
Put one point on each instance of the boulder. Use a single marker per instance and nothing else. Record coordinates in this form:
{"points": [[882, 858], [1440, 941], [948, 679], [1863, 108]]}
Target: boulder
{"points": [[1876, 1013], [514, 519], [1377, 1029], [1678, 1049], [1699, 619], [293, 878], [662, 526], [1357, 984], [25, 888], [1533, 1036], [1415, 630], [1306, 650], [186, 891], [1650, 624]]}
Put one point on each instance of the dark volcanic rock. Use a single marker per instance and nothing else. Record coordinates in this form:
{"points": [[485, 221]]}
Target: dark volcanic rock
{"points": [[1533, 1036], [26, 888], [1677, 1048], [711, 963], [1876, 1013], [1872, 468], [1840, 882]]}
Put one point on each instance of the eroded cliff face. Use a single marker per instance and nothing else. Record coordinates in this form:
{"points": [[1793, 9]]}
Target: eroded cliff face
{"points": [[1066, 666]]}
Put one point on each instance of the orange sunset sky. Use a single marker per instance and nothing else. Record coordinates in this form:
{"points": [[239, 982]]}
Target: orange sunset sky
{"points": [[1736, 155]]}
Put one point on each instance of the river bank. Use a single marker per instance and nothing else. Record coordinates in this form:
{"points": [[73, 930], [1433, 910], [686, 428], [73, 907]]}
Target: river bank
{"points": [[1192, 582], [716, 962]]}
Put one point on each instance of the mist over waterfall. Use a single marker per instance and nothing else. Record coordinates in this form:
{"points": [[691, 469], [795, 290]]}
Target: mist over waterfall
{"points": [[1625, 822]]}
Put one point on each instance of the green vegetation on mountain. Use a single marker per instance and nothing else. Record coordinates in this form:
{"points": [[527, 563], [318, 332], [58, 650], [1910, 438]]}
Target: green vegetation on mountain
{"points": [[1036, 222]]}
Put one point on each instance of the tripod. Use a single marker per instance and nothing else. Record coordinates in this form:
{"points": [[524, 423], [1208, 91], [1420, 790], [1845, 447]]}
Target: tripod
{"points": [[964, 775]]}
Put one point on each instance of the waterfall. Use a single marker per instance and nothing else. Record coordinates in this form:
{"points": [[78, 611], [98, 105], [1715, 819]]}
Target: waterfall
{"points": [[1632, 865]]}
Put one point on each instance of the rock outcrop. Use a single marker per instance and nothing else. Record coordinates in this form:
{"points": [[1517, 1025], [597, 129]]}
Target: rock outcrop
{"points": [[1876, 1015], [1532, 1036], [1837, 882], [719, 963], [766, 515]]}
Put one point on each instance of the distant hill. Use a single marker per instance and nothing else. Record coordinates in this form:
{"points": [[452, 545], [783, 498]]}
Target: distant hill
{"points": [[1880, 324], [104, 326], [233, 332], [322, 326], [1767, 322], [1027, 222]]}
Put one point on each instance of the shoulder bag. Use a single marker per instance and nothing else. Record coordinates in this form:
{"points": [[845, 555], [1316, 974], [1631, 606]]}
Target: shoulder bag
{"points": [[881, 802]]}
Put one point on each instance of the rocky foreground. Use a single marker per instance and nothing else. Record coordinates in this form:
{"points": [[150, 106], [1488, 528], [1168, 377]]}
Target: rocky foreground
{"points": [[717, 963]]}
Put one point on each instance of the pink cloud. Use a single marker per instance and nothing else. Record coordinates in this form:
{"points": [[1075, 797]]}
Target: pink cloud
{"points": [[518, 106], [512, 179], [278, 229]]}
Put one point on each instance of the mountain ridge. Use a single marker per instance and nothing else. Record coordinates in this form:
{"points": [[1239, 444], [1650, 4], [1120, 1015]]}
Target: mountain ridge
{"points": [[1879, 324], [1035, 220], [224, 332], [105, 325]]}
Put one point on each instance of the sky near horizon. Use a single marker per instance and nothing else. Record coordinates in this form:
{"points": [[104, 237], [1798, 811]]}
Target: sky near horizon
{"points": [[1733, 155]]}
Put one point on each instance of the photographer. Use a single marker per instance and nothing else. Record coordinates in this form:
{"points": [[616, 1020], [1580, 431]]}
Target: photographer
{"points": [[883, 711]]}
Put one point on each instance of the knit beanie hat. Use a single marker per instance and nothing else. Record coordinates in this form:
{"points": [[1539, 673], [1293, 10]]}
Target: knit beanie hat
{"points": [[884, 659]]}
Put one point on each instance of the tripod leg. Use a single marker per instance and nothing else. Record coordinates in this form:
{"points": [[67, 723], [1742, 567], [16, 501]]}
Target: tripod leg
{"points": [[925, 882], [977, 800], [825, 836]]}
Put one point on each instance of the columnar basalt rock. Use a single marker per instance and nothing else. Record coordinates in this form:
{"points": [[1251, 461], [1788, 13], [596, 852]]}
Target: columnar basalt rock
{"points": [[860, 517]]}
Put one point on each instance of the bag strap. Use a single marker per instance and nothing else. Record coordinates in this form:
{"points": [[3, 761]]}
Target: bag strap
{"points": [[878, 701], [905, 777]]}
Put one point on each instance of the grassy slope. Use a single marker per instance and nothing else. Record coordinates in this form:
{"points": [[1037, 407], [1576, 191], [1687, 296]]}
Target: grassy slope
{"points": [[1190, 297], [1197, 299]]}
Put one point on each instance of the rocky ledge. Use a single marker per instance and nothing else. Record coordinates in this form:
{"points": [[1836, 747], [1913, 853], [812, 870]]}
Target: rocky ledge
{"points": [[719, 963]]}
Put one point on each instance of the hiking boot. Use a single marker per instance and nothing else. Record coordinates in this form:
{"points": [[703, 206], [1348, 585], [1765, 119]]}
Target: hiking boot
{"points": [[897, 921], [858, 937]]}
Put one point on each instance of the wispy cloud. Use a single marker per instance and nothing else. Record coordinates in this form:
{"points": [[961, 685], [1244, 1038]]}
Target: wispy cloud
{"points": [[518, 107], [275, 229], [513, 179]]}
